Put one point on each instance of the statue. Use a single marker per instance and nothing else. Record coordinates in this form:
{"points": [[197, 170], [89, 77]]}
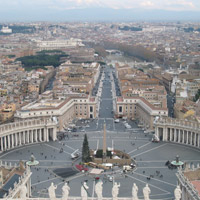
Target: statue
{"points": [[146, 192], [84, 192], [65, 191], [32, 158], [177, 193], [99, 190], [23, 192], [177, 159], [51, 190], [115, 191], [135, 192]]}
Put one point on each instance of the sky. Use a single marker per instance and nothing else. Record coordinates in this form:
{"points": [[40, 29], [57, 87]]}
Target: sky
{"points": [[78, 9]]}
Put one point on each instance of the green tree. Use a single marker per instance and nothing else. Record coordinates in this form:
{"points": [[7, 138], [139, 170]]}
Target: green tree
{"points": [[85, 150], [197, 95]]}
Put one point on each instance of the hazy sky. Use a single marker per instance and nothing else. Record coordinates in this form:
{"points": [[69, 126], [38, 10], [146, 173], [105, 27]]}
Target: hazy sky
{"points": [[177, 5], [16, 8]]}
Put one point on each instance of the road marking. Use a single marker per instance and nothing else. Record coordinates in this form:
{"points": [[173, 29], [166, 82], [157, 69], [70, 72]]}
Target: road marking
{"points": [[139, 147], [57, 149], [155, 179], [149, 150], [44, 181], [69, 147], [167, 192]]}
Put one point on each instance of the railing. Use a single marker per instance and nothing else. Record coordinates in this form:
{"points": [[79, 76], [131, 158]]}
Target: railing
{"points": [[188, 185]]}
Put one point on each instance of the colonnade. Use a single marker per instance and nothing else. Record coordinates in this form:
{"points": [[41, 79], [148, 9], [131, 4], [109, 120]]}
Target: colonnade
{"points": [[15, 136], [187, 133]]}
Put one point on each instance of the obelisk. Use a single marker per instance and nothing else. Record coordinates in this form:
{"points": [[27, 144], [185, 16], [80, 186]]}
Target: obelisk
{"points": [[104, 143]]}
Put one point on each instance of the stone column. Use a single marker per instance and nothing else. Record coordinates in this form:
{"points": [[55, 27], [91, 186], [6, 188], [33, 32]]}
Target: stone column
{"points": [[24, 138], [170, 134], [156, 133], [28, 137], [5, 142], [34, 135], [191, 137], [40, 135], [183, 136], [20, 139], [164, 134], [198, 138], [195, 139], [13, 142], [2, 147], [179, 135], [47, 135], [174, 135], [31, 134], [54, 134], [8, 141], [187, 137], [15, 138]]}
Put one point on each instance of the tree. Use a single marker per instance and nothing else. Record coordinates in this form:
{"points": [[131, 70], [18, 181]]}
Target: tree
{"points": [[197, 96], [85, 150]]}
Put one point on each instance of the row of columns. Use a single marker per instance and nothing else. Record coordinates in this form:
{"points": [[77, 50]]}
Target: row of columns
{"points": [[26, 137], [188, 137]]}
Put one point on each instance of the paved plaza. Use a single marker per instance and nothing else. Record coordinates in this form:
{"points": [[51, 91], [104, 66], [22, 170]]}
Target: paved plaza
{"points": [[150, 157]]}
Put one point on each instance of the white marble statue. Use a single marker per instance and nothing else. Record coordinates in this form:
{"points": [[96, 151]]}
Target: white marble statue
{"points": [[23, 192], [146, 192], [134, 192], [115, 191], [177, 193], [84, 194], [65, 191], [99, 190], [51, 190]]}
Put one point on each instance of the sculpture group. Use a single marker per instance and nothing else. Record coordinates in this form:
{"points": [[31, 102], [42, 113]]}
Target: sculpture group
{"points": [[98, 191]]}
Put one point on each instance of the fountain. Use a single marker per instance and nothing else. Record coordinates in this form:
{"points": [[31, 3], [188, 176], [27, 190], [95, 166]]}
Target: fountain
{"points": [[32, 162], [177, 162]]}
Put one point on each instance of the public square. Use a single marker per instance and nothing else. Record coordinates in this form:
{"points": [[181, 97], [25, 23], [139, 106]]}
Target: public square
{"points": [[150, 157]]}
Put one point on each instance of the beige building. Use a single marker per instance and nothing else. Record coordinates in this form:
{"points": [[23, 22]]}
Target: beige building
{"points": [[64, 110], [138, 108]]}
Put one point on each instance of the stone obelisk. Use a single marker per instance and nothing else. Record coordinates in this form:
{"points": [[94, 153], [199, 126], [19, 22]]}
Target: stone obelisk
{"points": [[104, 143]]}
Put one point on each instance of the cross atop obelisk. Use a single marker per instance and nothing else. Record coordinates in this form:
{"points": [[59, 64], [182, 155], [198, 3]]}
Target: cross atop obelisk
{"points": [[104, 142]]}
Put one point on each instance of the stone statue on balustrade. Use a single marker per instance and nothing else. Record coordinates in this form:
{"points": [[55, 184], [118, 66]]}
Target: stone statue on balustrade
{"points": [[115, 191], [23, 192], [134, 192], [99, 190], [84, 192], [146, 192], [65, 191], [52, 193], [177, 193]]}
